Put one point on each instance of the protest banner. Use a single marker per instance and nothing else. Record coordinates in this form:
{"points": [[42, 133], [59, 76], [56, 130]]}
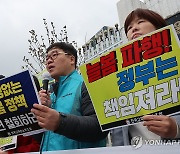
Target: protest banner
{"points": [[8, 143], [18, 93], [138, 78]]}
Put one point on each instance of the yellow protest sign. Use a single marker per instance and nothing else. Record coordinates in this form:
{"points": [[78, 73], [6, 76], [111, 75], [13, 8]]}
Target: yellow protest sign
{"points": [[138, 78], [8, 143]]}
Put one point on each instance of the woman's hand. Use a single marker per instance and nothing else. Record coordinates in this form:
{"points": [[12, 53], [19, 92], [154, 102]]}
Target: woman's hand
{"points": [[161, 125]]}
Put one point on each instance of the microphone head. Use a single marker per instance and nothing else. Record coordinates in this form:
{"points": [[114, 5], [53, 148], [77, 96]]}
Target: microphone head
{"points": [[45, 80], [46, 76]]}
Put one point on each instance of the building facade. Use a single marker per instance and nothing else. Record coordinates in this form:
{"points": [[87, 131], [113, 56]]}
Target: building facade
{"points": [[110, 37]]}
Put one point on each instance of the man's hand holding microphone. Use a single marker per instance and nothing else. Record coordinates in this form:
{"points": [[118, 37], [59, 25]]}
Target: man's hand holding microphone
{"points": [[44, 94], [47, 118]]}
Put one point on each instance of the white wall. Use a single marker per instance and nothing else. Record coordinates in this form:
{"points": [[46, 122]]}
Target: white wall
{"points": [[166, 8], [124, 7]]}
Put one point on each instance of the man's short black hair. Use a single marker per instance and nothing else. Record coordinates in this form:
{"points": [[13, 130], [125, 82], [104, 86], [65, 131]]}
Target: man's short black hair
{"points": [[66, 47]]}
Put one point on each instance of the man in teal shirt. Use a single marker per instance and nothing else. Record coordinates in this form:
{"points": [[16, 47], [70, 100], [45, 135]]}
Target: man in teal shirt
{"points": [[68, 113]]}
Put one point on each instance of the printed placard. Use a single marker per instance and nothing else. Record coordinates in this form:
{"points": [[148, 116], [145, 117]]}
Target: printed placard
{"points": [[18, 93], [8, 143], [138, 78]]}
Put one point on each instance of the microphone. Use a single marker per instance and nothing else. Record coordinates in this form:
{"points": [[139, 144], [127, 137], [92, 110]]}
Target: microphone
{"points": [[45, 80]]}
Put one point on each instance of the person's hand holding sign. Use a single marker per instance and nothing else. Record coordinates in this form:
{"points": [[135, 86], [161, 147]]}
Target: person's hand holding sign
{"points": [[47, 118], [161, 125]]}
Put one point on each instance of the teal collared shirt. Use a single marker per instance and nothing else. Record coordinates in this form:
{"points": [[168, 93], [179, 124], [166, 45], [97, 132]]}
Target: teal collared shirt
{"points": [[67, 101]]}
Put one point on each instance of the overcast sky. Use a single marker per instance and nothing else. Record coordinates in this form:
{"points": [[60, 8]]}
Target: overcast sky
{"points": [[83, 18]]}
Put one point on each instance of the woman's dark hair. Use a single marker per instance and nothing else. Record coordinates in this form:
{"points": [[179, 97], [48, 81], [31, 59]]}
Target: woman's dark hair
{"points": [[149, 15]]}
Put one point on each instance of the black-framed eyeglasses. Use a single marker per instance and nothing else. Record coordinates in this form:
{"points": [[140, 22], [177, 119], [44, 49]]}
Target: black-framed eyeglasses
{"points": [[54, 55]]}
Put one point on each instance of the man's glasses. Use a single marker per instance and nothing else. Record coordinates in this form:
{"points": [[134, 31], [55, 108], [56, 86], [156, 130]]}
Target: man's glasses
{"points": [[54, 55]]}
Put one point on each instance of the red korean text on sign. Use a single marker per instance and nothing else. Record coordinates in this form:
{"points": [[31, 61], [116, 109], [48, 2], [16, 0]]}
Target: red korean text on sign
{"points": [[147, 48], [106, 66]]}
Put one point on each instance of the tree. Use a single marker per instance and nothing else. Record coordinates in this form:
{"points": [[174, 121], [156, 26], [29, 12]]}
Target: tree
{"points": [[37, 47]]}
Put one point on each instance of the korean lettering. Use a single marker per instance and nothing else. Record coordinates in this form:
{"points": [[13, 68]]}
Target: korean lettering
{"points": [[20, 100], [146, 99], [94, 72], [165, 92], [32, 117], [108, 63], [11, 104], [139, 119], [111, 108], [17, 121], [122, 106], [28, 118], [106, 66], [2, 109], [9, 123], [6, 89], [21, 120], [164, 65], [1, 94], [127, 55], [9, 88], [147, 48], [126, 78], [20, 131], [135, 120], [175, 88], [145, 72], [2, 128], [156, 47], [127, 109], [15, 102], [16, 87]]}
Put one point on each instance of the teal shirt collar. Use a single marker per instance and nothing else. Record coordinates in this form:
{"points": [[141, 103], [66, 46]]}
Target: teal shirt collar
{"points": [[63, 78]]}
